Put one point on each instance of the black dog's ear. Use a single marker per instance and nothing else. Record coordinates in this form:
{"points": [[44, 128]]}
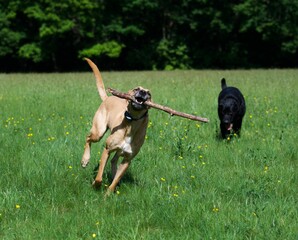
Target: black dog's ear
{"points": [[223, 83]]}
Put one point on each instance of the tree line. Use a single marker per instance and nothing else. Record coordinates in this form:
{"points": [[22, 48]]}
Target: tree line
{"points": [[55, 35]]}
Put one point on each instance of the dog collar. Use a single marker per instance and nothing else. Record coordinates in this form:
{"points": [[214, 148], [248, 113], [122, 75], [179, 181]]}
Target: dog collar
{"points": [[130, 118]]}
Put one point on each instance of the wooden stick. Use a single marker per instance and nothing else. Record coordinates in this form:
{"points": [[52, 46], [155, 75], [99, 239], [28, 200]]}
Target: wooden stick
{"points": [[158, 106]]}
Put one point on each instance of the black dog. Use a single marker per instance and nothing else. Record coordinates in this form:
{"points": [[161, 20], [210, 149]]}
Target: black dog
{"points": [[231, 109]]}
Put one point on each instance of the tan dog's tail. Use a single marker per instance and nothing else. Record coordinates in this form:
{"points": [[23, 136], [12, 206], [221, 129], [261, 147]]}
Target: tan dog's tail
{"points": [[99, 83]]}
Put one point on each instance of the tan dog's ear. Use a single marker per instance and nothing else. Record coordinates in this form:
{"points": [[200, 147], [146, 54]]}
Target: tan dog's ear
{"points": [[131, 92], [150, 95]]}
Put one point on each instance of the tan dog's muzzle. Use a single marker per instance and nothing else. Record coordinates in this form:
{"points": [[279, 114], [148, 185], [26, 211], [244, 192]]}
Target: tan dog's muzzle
{"points": [[140, 95]]}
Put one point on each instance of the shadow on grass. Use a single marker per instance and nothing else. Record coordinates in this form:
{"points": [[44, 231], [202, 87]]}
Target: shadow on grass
{"points": [[107, 176]]}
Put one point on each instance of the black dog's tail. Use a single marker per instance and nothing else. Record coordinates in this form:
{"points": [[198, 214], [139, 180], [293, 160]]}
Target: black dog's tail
{"points": [[223, 83]]}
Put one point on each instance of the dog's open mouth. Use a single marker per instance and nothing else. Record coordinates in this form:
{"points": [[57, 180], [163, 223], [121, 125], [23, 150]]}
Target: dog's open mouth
{"points": [[229, 126], [139, 100], [138, 103]]}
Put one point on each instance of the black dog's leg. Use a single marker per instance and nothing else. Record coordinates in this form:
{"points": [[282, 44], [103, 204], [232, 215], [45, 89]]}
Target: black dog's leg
{"points": [[224, 131], [237, 127]]}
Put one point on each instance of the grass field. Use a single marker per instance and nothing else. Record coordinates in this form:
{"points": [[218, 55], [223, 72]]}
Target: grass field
{"points": [[185, 183]]}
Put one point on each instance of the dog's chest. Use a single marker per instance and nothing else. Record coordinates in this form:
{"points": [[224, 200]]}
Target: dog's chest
{"points": [[126, 145]]}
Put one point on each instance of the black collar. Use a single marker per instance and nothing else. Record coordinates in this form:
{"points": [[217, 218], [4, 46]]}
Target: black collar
{"points": [[130, 118]]}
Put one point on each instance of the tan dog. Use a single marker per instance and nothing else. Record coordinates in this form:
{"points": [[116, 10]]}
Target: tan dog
{"points": [[127, 121]]}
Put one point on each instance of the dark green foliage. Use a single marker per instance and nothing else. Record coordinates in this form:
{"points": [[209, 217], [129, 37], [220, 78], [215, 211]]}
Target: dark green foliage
{"points": [[46, 35]]}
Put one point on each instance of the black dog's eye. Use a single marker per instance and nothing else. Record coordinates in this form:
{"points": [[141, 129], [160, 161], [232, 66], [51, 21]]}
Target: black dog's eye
{"points": [[226, 111], [235, 109]]}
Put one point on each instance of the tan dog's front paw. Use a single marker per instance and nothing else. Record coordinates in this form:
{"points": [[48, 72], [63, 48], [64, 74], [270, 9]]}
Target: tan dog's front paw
{"points": [[96, 184], [84, 162], [108, 193]]}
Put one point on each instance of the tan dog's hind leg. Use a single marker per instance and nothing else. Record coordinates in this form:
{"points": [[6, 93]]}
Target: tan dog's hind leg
{"points": [[119, 174], [114, 165], [103, 160]]}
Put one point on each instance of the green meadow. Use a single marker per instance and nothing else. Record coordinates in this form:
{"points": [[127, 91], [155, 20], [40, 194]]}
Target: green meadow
{"points": [[186, 183]]}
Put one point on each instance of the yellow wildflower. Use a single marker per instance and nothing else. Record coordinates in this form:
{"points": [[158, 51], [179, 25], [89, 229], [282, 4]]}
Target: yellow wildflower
{"points": [[215, 209]]}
